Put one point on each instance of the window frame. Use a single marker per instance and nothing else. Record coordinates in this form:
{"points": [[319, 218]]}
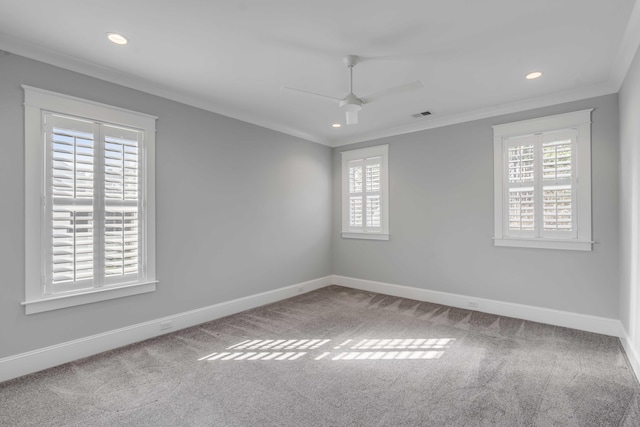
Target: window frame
{"points": [[39, 102], [363, 154], [503, 136]]}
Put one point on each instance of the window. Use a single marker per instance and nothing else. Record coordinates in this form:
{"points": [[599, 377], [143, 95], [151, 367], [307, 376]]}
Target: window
{"points": [[90, 207], [365, 193], [542, 182]]}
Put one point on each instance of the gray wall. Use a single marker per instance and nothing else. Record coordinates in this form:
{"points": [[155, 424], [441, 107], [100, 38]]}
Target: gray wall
{"points": [[240, 210], [441, 221], [630, 204]]}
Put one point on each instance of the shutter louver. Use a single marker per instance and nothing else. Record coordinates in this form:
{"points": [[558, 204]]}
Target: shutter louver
{"points": [[79, 182], [521, 166], [557, 186], [121, 241], [521, 194], [539, 185], [355, 211], [121, 168], [557, 208], [72, 242], [542, 182], [355, 194], [71, 188], [89, 201], [365, 195], [373, 196], [521, 209], [122, 204], [365, 187], [373, 212]]}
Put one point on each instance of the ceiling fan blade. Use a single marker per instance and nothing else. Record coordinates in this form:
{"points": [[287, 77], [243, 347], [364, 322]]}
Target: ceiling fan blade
{"points": [[306, 92], [391, 91]]}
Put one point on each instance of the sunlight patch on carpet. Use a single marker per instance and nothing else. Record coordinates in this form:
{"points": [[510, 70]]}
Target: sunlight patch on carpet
{"points": [[364, 349]]}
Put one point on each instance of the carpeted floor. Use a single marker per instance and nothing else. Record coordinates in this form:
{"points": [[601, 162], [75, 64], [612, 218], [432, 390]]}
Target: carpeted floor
{"points": [[341, 357]]}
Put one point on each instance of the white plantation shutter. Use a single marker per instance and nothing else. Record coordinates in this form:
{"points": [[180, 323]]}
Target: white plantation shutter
{"points": [[521, 210], [364, 195], [365, 188], [539, 185], [93, 202], [122, 202], [558, 183], [89, 201], [356, 187], [540, 199], [373, 193], [70, 204], [520, 178]]}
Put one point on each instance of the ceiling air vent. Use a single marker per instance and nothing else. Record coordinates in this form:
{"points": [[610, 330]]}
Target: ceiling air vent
{"points": [[423, 114]]}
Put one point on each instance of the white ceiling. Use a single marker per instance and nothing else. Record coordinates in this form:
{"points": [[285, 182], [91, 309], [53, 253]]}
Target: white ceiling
{"points": [[233, 57]]}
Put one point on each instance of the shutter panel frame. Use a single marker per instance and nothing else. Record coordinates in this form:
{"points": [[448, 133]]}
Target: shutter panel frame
{"points": [[553, 198], [372, 200], [84, 195], [69, 208]]}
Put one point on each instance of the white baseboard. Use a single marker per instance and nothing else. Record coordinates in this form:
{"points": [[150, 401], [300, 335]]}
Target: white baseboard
{"points": [[37, 360], [48, 357], [583, 322], [632, 354]]}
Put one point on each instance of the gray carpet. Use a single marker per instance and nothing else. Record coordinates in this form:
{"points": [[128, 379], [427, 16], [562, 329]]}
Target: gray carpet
{"points": [[341, 357]]}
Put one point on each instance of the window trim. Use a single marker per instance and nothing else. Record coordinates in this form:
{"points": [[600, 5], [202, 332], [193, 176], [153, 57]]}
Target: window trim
{"points": [[38, 101], [581, 122], [362, 154]]}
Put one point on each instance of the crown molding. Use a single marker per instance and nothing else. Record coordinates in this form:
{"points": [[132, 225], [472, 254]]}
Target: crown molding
{"points": [[72, 63], [627, 50], [626, 53], [431, 122]]}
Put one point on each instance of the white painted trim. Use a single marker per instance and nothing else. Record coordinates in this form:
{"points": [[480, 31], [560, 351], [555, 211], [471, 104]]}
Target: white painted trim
{"points": [[38, 53], [583, 322], [71, 63], [58, 301], [436, 121], [36, 103], [62, 103], [43, 358], [580, 122], [543, 243], [365, 236], [627, 50], [569, 120], [629, 349], [39, 359], [363, 154]]}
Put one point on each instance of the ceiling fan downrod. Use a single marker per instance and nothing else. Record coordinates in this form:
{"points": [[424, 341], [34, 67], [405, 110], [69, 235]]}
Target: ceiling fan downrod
{"points": [[351, 104]]}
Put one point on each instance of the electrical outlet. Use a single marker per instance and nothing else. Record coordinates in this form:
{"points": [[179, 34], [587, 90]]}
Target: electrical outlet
{"points": [[473, 304], [167, 324]]}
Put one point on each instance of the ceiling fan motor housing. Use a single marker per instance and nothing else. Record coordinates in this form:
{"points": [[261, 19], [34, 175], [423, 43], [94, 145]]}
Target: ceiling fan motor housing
{"points": [[351, 103]]}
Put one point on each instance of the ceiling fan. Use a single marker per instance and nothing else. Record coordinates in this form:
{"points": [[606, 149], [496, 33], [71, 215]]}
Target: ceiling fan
{"points": [[351, 104]]}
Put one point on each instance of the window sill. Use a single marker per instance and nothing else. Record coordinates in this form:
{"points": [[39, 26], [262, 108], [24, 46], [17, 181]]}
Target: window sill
{"points": [[366, 236], [571, 245], [56, 302]]}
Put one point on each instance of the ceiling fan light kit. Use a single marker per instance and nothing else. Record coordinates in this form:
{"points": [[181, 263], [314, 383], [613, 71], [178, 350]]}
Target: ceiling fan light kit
{"points": [[351, 104]]}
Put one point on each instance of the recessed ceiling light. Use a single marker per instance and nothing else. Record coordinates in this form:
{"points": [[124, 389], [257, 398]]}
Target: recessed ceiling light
{"points": [[336, 125], [117, 38], [534, 75]]}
